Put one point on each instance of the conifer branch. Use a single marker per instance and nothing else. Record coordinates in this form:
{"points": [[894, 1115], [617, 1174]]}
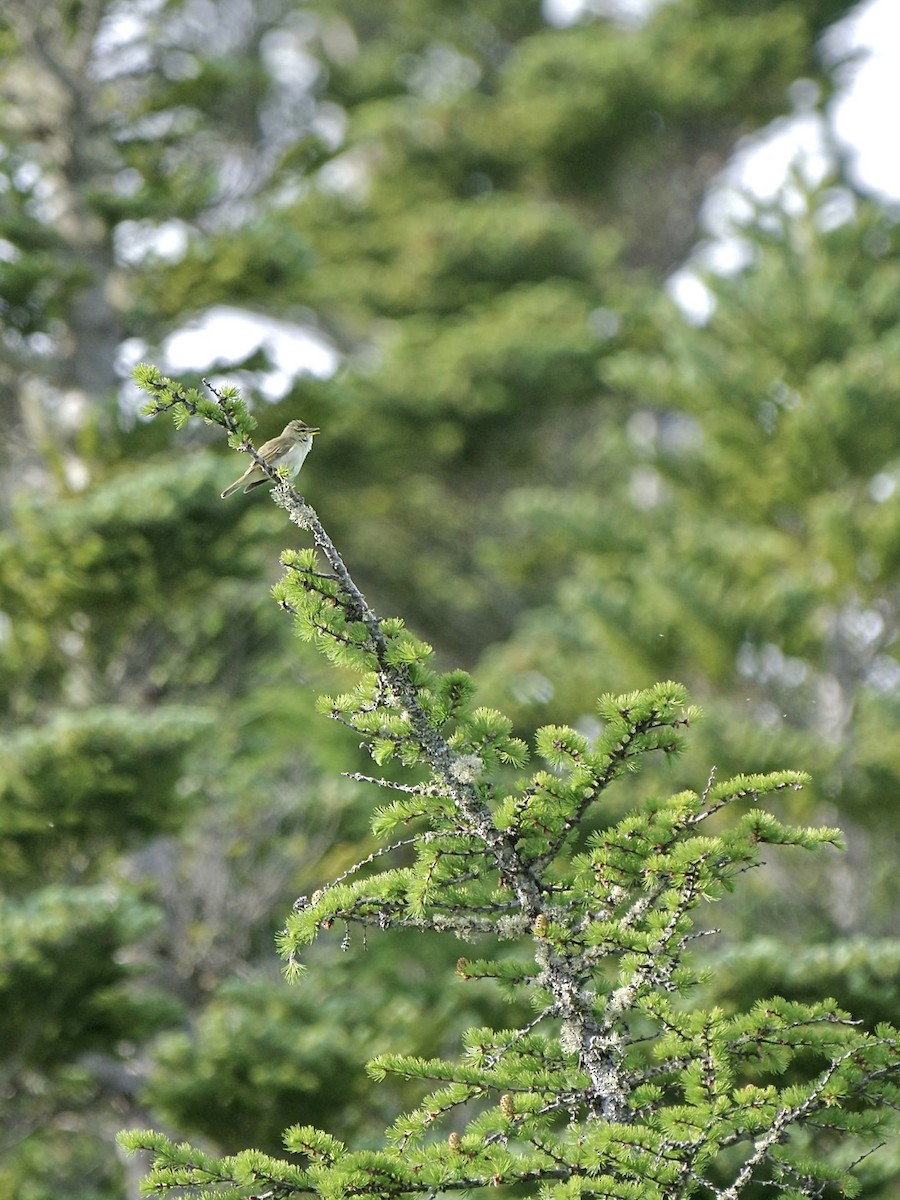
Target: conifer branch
{"points": [[616, 1087]]}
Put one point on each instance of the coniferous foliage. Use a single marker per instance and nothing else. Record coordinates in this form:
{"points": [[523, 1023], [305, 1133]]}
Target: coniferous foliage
{"points": [[476, 208], [621, 1084]]}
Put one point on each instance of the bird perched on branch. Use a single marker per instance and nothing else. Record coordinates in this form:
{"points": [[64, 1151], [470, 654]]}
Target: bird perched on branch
{"points": [[289, 450]]}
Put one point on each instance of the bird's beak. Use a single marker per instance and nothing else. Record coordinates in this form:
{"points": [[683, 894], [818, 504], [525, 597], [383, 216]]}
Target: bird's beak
{"points": [[312, 431]]}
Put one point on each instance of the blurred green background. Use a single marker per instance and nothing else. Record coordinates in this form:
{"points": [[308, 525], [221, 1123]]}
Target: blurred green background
{"points": [[452, 225]]}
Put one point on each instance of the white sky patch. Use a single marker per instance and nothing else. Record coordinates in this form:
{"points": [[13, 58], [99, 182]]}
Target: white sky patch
{"points": [[626, 12], [223, 337], [692, 296], [864, 114], [770, 166], [766, 165], [136, 241], [762, 166]]}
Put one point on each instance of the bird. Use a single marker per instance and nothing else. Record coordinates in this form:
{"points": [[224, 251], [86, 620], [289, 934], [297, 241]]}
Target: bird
{"points": [[289, 450]]}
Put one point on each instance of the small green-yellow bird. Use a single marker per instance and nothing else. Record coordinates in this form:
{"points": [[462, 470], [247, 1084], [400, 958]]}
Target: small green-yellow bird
{"points": [[289, 450]]}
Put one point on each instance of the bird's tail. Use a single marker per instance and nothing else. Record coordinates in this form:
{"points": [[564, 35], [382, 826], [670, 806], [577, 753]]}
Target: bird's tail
{"points": [[232, 488]]}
